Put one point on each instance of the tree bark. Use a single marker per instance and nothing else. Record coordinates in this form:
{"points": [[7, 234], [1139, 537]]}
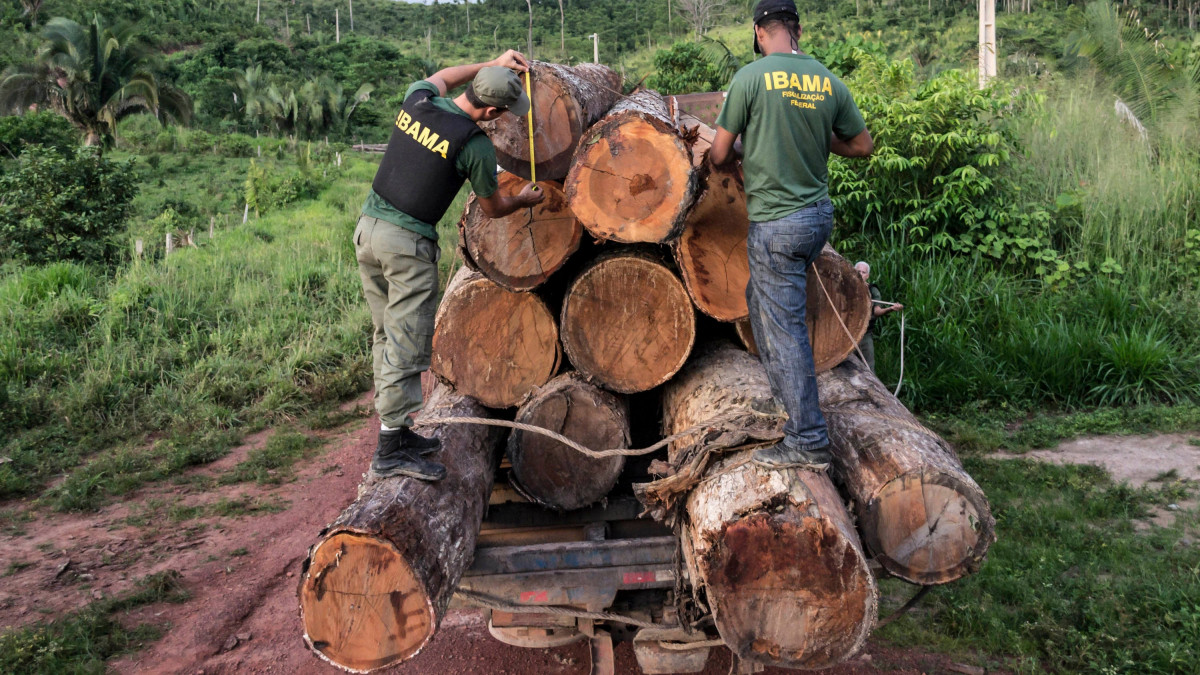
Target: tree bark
{"points": [[375, 587], [627, 322], [566, 101], [711, 252], [520, 250], [922, 517], [632, 178], [774, 551], [554, 475], [493, 344]]}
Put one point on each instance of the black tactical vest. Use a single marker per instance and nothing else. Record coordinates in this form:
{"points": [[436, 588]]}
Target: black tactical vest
{"points": [[417, 174]]}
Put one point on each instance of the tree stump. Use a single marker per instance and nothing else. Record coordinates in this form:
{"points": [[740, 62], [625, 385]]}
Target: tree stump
{"points": [[774, 551], [922, 517], [566, 101], [627, 322], [632, 178], [520, 250], [553, 474], [375, 587], [493, 344]]}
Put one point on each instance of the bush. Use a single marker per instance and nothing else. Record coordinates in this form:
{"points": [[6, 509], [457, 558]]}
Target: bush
{"points": [[684, 68], [42, 128], [164, 141], [237, 145], [270, 190], [65, 207]]}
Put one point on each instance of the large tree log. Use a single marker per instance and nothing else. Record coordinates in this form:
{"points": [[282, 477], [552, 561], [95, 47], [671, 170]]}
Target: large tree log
{"points": [[922, 517], [711, 252], [491, 343], [851, 303], [375, 587], [566, 101], [627, 322], [520, 250], [775, 552], [632, 178], [553, 474]]}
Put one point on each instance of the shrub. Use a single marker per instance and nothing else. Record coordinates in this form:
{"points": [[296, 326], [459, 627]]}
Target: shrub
{"points": [[42, 128], [684, 68], [65, 207], [270, 190], [237, 145], [164, 141]]}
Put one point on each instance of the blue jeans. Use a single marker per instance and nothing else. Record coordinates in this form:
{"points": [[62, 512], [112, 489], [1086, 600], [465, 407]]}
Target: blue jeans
{"points": [[780, 253]]}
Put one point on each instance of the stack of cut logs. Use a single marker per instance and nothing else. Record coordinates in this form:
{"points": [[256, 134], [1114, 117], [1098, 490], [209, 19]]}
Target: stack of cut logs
{"points": [[564, 310]]}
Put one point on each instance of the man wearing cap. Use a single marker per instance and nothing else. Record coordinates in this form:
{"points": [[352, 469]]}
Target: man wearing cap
{"points": [[435, 146], [790, 112]]}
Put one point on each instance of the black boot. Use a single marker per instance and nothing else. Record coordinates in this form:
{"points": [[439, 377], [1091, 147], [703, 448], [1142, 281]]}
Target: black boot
{"points": [[780, 456], [415, 441], [394, 458]]}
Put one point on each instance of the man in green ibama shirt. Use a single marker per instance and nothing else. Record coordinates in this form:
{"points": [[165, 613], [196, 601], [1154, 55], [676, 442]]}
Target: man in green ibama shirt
{"points": [[790, 112]]}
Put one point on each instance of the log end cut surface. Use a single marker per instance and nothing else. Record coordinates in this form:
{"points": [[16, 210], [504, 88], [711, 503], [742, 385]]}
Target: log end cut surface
{"points": [[792, 594], [493, 344], [362, 606], [631, 181], [521, 250], [851, 302], [712, 250], [554, 474], [928, 529], [628, 323]]}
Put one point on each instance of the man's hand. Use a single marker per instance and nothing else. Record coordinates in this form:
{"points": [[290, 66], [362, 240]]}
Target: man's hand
{"points": [[531, 194], [724, 149], [513, 60], [895, 308]]}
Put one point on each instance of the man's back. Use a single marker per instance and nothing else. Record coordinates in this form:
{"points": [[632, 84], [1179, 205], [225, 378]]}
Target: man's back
{"points": [[785, 106]]}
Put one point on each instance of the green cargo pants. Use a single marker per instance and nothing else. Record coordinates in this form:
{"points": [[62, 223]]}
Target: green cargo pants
{"points": [[867, 347], [400, 279]]}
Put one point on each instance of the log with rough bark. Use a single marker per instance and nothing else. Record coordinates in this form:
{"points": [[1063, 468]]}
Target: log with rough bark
{"points": [[493, 344], [922, 517], [520, 250], [566, 101], [774, 551], [711, 252], [832, 340], [627, 322], [632, 178], [375, 587], [552, 474]]}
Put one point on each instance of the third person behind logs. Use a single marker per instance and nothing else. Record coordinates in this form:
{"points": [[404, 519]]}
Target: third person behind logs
{"points": [[878, 309]]}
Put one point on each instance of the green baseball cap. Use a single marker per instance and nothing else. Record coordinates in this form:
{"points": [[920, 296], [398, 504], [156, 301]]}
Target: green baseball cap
{"points": [[501, 87]]}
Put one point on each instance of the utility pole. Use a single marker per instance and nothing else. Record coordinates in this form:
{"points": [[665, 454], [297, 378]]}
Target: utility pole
{"points": [[308, 22], [987, 41], [529, 41], [351, 16], [287, 26], [258, 13], [337, 26], [595, 47]]}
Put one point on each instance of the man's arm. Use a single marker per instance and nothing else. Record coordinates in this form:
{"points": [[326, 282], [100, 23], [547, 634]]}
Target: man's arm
{"points": [[861, 145], [723, 148], [451, 78], [498, 205]]}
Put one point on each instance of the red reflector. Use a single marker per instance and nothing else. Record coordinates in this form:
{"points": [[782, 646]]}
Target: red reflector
{"points": [[639, 578], [535, 596]]}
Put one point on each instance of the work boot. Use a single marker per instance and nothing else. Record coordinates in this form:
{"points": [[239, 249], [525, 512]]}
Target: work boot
{"points": [[415, 441], [780, 456], [394, 458]]}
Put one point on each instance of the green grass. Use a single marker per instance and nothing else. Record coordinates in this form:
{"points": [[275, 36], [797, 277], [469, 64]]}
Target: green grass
{"points": [[273, 462], [83, 641], [1071, 585], [236, 334]]}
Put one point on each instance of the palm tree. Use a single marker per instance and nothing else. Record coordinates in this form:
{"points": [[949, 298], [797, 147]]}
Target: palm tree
{"points": [[94, 75]]}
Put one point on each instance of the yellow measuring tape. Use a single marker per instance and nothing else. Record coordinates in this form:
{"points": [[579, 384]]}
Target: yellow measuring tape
{"points": [[529, 94]]}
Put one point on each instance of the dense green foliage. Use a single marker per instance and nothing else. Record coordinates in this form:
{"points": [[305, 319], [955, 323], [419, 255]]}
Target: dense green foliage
{"points": [[19, 132], [69, 206], [94, 75]]}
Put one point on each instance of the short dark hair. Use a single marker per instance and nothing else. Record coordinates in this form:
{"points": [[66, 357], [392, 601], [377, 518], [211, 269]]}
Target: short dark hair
{"points": [[473, 99], [790, 24]]}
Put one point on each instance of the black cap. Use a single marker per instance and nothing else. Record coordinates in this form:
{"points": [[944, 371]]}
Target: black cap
{"points": [[769, 8]]}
